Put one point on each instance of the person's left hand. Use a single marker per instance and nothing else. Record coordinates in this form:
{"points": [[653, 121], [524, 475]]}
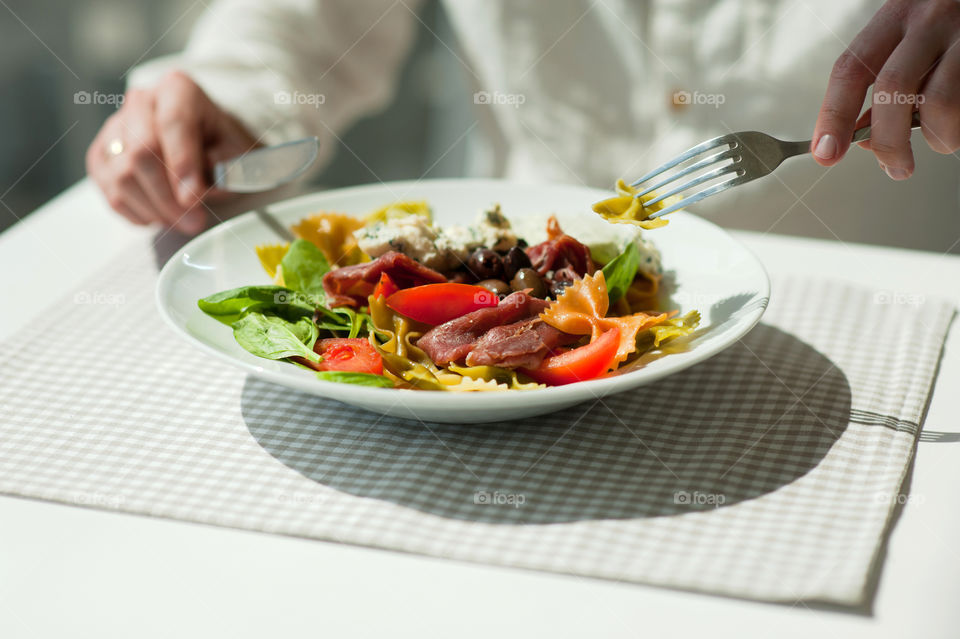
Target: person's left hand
{"points": [[909, 52]]}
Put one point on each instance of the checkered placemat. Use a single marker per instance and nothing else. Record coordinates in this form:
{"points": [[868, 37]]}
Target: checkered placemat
{"points": [[768, 472]]}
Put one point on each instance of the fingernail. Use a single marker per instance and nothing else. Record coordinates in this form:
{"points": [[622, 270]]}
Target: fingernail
{"points": [[826, 147], [189, 189], [895, 173]]}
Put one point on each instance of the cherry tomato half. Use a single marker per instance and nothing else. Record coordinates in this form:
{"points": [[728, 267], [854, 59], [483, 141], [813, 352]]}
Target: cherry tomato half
{"points": [[439, 303], [347, 354], [579, 364]]}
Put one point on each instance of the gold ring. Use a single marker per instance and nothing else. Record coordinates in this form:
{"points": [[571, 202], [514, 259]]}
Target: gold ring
{"points": [[115, 147]]}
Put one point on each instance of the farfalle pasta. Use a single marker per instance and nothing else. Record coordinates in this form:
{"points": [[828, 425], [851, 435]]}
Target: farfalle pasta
{"points": [[332, 233], [627, 208], [582, 310]]}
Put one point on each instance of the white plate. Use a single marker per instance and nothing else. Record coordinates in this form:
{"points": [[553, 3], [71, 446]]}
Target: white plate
{"points": [[712, 272]]}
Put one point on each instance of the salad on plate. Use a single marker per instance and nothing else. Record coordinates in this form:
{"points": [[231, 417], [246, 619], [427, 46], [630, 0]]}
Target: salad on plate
{"points": [[396, 301]]}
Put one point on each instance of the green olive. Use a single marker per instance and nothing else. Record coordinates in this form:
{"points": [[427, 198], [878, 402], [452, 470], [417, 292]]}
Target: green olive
{"points": [[497, 287], [529, 278]]}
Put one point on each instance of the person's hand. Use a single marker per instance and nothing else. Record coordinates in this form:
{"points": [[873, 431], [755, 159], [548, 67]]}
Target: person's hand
{"points": [[909, 52], [151, 157]]}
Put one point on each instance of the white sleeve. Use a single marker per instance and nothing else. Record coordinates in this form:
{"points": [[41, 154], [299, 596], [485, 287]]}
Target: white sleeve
{"points": [[292, 68]]}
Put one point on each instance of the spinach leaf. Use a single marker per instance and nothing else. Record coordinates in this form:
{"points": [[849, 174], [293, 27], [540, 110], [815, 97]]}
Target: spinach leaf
{"points": [[304, 329], [619, 273], [303, 267], [361, 379], [354, 321], [230, 306], [273, 337]]}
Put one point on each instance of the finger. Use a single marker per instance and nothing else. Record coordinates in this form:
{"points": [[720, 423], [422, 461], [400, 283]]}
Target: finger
{"points": [[113, 196], [128, 213], [98, 170], [894, 99], [125, 196], [180, 112], [130, 195], [229, 139], [853, 72], [142, 160], [156, 186], [940, 104]]}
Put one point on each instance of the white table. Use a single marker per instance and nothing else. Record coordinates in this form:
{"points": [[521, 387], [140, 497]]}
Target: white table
{"points": [[74, 572]]}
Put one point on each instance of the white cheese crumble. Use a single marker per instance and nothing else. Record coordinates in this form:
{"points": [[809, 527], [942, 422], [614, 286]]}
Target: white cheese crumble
{"points": [[440, 248]]}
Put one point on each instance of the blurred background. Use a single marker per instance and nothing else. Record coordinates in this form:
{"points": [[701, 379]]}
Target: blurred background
{"points": [[52, 49]]}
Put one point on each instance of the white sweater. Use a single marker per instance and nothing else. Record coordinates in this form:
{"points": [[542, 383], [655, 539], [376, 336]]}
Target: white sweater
{"points": [[585, 91]]}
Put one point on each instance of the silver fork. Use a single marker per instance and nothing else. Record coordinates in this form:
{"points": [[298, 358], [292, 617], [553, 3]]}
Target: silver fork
{"points": [[752, 154]]}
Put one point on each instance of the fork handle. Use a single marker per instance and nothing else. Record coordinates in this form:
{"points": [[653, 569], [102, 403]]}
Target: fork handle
{"points": [[863, 133], [791, 149]]}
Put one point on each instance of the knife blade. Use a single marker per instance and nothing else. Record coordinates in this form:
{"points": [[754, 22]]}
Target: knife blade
{"points": [[266, 168]]}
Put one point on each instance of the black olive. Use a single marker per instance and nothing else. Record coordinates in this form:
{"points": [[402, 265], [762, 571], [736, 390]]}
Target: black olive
{"points": [[557, 286], [515, 260], [522, 243], [485, 264], [529, 278], [497, 287]]}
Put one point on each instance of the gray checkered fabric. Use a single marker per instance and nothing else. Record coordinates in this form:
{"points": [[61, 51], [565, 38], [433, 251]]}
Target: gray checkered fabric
{"points": [[768, 472]]}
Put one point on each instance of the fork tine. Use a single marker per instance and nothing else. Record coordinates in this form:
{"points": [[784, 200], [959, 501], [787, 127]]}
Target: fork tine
{"points": [[693, 199], [716, 157], [706, 177], [689, 153]]}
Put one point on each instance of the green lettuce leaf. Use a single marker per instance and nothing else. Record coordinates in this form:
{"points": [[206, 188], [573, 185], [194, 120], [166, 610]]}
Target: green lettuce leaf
{"points": [[360, 379], [621, 272]]}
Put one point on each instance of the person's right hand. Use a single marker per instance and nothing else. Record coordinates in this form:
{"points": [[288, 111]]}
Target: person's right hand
{"points": [[151, 157]]}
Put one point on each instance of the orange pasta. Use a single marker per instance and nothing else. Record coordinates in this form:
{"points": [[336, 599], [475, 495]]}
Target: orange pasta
{"points": [[582, 310], [333, 234]]}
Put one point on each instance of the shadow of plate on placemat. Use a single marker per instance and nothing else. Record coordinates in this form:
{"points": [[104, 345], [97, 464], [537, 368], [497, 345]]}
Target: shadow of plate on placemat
{"points": [[743, 424]]}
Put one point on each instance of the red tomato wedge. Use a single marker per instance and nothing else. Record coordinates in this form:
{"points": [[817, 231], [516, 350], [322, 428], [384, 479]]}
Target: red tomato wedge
{"points": [[439, 303], [579, 364], [385, 287], [355, 355]]}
